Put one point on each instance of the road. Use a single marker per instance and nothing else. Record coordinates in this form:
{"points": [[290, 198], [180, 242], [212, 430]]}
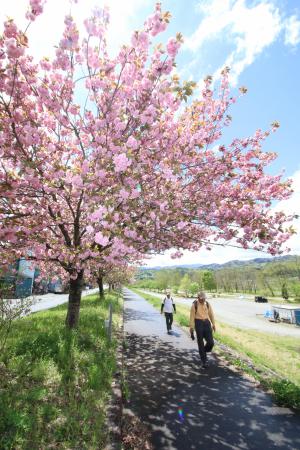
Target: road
{"points": [[189, 408], [50, 300], [243, 314]]}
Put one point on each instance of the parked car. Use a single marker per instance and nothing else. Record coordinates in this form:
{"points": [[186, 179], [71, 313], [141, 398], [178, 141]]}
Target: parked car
{"points": [[56, 287], [260, 299], [40, 287]]}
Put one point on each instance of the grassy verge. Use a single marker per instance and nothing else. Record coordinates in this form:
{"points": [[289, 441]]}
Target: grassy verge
{"points": [[54, 384], [232, 296], [275, 359]]}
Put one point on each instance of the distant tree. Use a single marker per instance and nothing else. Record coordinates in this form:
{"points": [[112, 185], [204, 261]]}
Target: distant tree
{"points": [[297, 266], [284, 291], [194, 288], [185, 285], [162, 280], [250, 276], [209, 281], [267, 281], [175, 279], [196, 276], [295, 286], [150, 284], [119, 275]]}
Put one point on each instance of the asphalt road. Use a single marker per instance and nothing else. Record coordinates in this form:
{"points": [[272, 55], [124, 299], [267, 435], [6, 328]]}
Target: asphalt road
{"points": [[243, 314], [50, 300], [189, 408]]}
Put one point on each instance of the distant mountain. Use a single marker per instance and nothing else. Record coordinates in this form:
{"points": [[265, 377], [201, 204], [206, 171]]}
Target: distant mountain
{"points": [[229, 264]]}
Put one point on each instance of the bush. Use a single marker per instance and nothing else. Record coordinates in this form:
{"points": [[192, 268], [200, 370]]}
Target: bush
{"points": [[10, 310], [287, 393]]}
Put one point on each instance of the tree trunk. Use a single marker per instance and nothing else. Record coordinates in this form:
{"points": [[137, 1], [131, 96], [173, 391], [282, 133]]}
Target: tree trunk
{"points": [[75, 291], [270, 288], [100, 285]]}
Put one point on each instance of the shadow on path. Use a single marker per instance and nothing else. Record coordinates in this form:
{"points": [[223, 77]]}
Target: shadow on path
{"points": [[187, 407]]}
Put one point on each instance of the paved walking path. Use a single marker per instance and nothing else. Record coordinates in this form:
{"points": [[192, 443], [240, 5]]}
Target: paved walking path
{"points": [[188, 408]]}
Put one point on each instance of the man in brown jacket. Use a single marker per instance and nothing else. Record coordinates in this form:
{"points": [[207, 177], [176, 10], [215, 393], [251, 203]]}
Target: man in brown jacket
{"points": [[202, 320]]}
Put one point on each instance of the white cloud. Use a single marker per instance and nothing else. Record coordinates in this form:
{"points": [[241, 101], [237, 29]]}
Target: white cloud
{"points": [[223, 254], [292, 31], [292, 206], [46, 31], [249, 30]]}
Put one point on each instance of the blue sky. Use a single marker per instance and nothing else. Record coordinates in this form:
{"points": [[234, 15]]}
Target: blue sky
{"points": [[272, 77], [258, 39]]}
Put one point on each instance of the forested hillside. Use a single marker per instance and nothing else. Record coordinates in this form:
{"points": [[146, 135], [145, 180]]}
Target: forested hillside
{"points": [[278, 277]]}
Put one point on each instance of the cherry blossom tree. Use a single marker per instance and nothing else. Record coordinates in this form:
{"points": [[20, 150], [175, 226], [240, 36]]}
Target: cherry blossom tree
{"points": [[102, 155], [120, 275], [101, 271]]}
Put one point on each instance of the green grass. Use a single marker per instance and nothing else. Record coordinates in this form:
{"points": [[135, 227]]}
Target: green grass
{"points": [[54, 384], [279, 354]]}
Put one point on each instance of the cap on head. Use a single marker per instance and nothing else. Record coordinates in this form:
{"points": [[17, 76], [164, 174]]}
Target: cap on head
{"points": [[168, 291], [201, 295]]}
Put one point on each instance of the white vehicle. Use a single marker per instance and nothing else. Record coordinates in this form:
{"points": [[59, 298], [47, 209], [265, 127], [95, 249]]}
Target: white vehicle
{"points": [[56, 287]]}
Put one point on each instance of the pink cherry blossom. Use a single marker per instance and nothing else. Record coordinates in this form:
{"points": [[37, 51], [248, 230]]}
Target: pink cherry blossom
{"points": [[77, 181], [36, 8], [98, 214], [121, 162], [132, 143], [14, 50], [101, 239], [172, 47], [89, 229]]}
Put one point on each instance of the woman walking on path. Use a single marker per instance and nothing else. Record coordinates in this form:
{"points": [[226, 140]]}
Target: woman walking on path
{"points": [[203, 321]]}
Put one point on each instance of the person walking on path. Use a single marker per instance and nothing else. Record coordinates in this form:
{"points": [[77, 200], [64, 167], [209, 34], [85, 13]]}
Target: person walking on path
{"points": [[202, 320], [168, 306]]}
